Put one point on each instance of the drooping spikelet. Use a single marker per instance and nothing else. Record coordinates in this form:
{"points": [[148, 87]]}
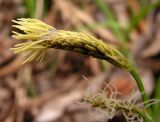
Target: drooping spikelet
{"points": [[41, 36], [107, 103]]}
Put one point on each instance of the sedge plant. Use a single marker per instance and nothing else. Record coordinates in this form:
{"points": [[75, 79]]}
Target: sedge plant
{"points": [[41, 37]]}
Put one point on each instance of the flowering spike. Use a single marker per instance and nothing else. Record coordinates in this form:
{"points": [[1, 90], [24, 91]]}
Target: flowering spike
{"points": [[107, 103], [43, 36]]}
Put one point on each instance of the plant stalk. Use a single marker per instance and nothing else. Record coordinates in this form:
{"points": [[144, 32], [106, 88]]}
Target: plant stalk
{"points": [[141, 88]]}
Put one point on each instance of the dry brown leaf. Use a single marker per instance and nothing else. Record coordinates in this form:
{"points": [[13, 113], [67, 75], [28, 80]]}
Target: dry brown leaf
{"points": [[55, 108], [11, 68], [123, 85], [153, 48]]}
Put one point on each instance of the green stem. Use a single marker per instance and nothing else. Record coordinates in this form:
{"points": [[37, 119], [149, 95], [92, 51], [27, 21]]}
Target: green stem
{"points": [[143, 114], [141, 88]]}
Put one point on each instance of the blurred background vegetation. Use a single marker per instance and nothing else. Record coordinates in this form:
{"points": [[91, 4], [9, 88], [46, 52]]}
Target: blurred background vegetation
{"points": [[51, 91]]}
